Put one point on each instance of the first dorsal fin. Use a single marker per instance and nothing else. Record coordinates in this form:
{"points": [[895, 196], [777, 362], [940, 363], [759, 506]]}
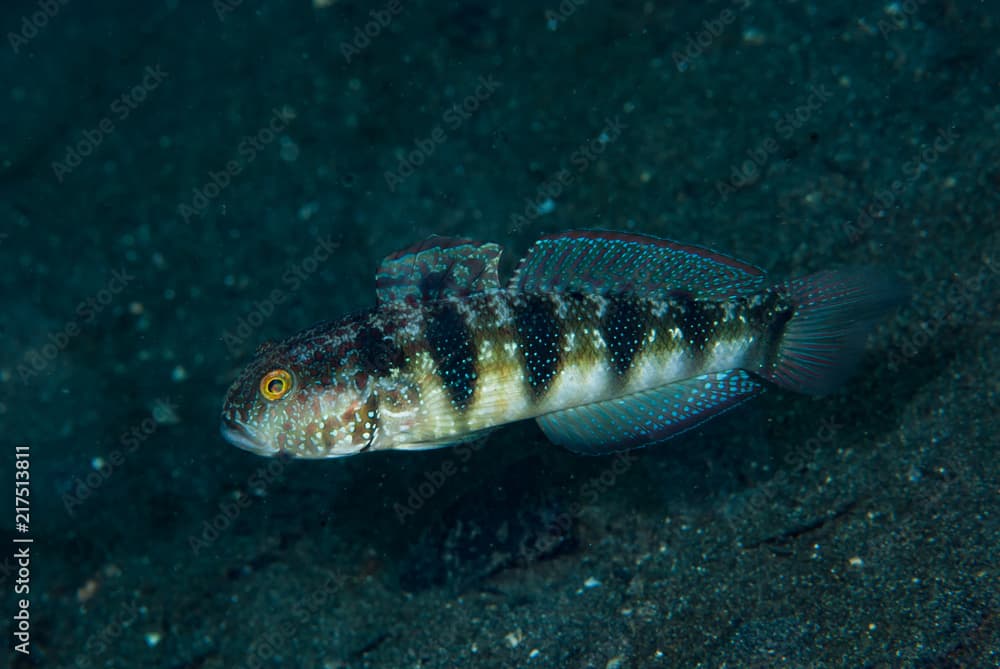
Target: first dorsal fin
{"points": [[606, 262], [436, 268]]}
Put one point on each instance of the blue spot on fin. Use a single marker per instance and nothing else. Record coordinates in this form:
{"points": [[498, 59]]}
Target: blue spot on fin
{"points": [[614, 262], [436, 268], [649, 416]]}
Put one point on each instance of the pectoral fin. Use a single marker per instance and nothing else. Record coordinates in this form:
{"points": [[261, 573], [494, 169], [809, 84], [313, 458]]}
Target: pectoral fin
{"points": [[473, 439]]}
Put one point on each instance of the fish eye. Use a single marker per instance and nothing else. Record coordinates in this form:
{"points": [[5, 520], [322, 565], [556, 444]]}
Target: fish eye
{"points": [[275, 384]]}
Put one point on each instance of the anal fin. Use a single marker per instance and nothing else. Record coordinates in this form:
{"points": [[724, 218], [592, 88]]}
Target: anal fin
{"points": [[648, 416]]}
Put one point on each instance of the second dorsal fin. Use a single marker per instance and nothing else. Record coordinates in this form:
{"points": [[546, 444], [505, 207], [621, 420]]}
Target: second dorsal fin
{"points": [[605, 262], [436, 268]]}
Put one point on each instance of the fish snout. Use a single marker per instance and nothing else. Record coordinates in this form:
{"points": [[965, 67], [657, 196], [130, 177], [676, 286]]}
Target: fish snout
{"points": [[243, 436]]}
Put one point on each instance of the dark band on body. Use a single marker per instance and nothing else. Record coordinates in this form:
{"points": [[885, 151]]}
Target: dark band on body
{"points": [[623, 329], [539, 338], [453, 350], [696, 319]]}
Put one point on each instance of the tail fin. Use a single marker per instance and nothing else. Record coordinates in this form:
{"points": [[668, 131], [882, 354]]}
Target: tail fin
{"points": [[825, 338]]}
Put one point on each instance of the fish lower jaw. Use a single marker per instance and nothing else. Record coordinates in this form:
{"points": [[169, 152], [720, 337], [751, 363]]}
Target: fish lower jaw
{"points": [[244, 437]]}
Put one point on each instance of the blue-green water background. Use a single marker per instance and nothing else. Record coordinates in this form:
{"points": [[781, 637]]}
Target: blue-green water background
{"points": [[171, 172]]}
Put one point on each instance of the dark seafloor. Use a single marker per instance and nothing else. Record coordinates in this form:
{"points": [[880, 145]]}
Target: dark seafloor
{"points": [[855, 530]]}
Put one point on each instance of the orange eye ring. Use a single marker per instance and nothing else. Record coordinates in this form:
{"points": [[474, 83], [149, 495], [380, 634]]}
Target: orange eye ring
{"points": [[275, 384]]}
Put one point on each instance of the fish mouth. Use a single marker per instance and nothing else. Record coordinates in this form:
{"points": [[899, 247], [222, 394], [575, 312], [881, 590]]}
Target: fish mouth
{"points": [[243, 436]]}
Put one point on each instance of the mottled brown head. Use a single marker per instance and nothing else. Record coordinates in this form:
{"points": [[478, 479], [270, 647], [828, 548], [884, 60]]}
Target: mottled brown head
{"points": [[308, 396]]}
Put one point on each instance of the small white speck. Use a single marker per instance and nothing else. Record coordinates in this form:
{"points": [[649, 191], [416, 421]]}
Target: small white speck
{"points": [[308, 210], [856, 562], [289, 151], [163, 412], [97, 463], [591, 583], [534, 653], [753, 36], [153, 639]]}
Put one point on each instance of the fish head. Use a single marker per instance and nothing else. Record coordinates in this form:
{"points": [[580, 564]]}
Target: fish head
{"points": [[293, 399]]}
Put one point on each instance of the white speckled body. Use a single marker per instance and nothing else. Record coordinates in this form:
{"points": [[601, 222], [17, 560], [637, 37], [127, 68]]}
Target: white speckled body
{"points": [[529, 355]]}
